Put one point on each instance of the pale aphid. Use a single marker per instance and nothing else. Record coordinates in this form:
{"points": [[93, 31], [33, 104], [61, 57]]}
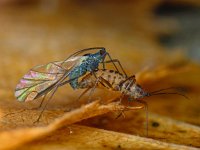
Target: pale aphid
{"points": [[115, 81]]}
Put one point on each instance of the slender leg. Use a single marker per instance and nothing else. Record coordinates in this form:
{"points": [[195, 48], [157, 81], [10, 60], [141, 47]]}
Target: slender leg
{"points": [[124, 93], [122, 111], [121, 97], [101, 81], [38, 107], [114, 61], [28, 109], [31, 108], [53, 92], [42, 101], [103, 64], [93, 88], [106, 83], [129, 85], [146, 111], [84, 92], [131, 78], [67, 81]]}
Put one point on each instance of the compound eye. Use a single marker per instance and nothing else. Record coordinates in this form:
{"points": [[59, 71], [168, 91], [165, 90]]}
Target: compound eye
{"points": [[102, 52]]}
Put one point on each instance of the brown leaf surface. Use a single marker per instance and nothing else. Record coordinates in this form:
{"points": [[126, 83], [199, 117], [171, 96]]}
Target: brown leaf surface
{"points": [[161, 128], [173, 121], [98, 139], [16, 137]]}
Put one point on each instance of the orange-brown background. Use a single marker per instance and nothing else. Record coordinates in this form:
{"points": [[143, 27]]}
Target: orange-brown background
{"points": [[156, 40]]}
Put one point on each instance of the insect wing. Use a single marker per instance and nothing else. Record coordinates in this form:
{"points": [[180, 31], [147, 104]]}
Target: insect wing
{"points": [[72, 61], [41, 79], [81, 53]]}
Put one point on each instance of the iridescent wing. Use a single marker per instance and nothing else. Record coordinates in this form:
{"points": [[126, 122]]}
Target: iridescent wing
{"points": [[83, 51], [42, 79]]}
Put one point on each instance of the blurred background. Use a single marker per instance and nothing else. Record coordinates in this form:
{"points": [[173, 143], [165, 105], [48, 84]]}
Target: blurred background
{"points": [[141, 34], [136, 30], [139, 27]]}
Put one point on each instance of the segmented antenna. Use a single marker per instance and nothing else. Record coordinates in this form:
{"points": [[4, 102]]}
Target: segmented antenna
{"points": [[172, 93], [159, 92]]}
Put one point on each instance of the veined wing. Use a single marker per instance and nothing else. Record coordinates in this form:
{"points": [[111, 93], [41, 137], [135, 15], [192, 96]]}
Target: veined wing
{"points": [[82, 52], [43, 78]]}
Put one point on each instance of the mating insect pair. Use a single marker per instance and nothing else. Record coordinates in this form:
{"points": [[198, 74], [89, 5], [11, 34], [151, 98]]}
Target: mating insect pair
{"points": [[44, 79]]}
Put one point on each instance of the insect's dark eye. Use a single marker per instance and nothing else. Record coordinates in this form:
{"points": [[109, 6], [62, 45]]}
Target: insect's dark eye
{"points": [[102, 52], [86, 54]]}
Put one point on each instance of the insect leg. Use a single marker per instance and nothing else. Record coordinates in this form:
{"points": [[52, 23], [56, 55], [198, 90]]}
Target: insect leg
{"points": [[84, 92], [97, 77], [129, 85], [67, 81], [113, 61], [122, 112], [146, 111], [126, 88], [53, 92], [121, 97], [101, 81], [129, 78], [93, 88], [42, 101], [29, 109], [38, 107]]}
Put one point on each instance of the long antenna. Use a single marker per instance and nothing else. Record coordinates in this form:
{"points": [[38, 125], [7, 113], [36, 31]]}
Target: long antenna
{"points": [[173, 93], [165, 89]]}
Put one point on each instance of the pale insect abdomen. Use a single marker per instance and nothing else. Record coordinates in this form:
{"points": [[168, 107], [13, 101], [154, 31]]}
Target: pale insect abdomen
{"points": [[113, 81], [113, 78]]}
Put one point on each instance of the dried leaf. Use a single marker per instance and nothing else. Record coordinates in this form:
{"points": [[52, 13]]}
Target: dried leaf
{"points": [[84, 112], [173, 121], [83, 137]]}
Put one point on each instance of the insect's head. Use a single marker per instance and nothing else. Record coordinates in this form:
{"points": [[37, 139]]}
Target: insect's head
{"points": [[100, 55], [138, 92]]}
